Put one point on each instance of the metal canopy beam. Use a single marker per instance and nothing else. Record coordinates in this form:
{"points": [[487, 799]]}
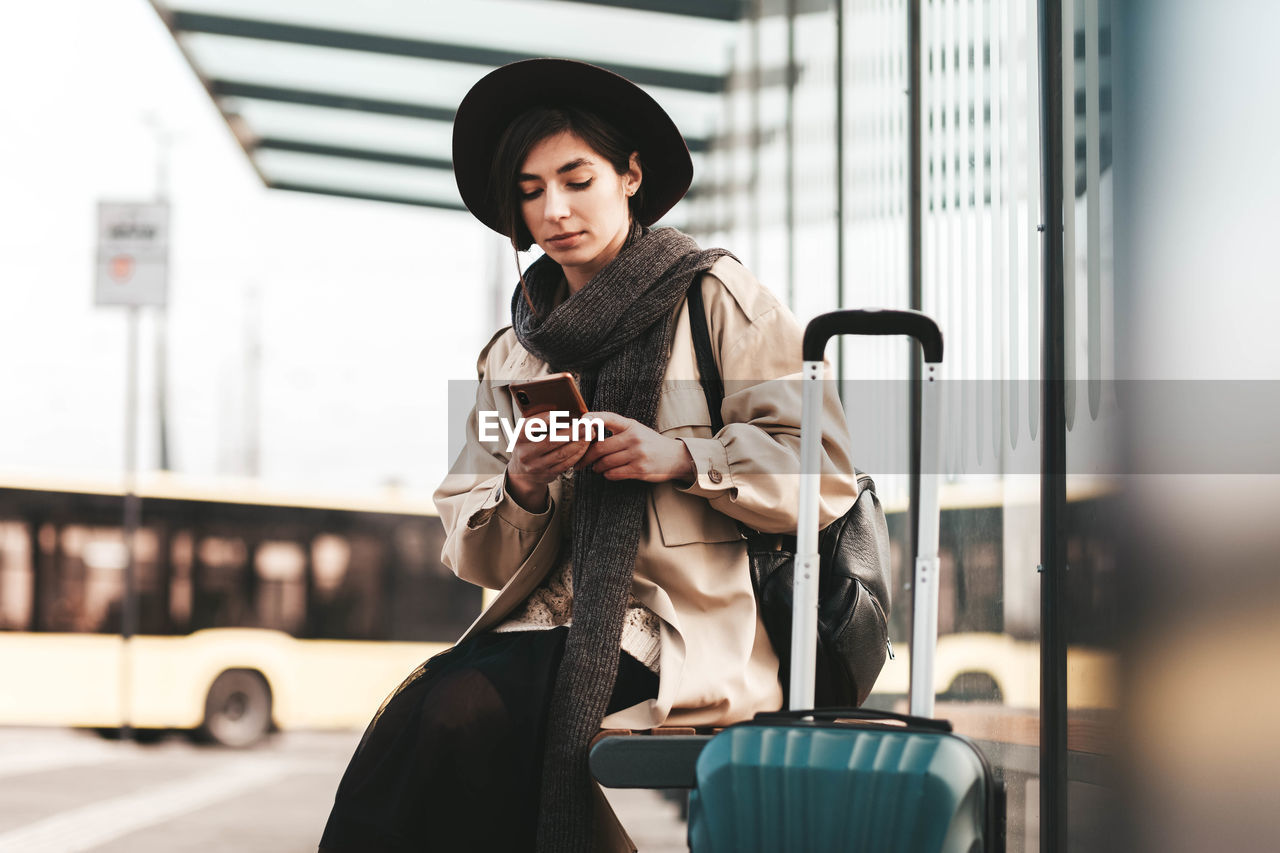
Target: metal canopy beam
{"points": [[193, 22], [298, 146], [720, 10], [270, 143], [231, 88], [717, 10], [367, 196]]}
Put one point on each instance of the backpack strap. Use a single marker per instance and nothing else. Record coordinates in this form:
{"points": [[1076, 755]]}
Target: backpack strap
{"points": [[712, 384]]}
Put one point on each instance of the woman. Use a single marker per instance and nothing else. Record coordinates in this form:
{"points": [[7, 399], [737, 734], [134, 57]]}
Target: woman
{"points": [[625, 597]]}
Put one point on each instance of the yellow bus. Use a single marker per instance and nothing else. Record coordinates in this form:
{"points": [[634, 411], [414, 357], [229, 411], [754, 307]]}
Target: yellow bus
{"points": [[988, 649], [262, 610], [256, 610]]}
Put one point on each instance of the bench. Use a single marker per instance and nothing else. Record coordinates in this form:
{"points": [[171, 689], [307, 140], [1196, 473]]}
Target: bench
{"points": [[664, 757]]}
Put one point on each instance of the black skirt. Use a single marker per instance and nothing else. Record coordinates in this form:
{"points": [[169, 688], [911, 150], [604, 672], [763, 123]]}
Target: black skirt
{"points": [[453, 760]]}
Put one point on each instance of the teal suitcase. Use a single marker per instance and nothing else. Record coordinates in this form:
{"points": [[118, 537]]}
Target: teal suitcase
{"points": [[844, 780], [785, 783]]}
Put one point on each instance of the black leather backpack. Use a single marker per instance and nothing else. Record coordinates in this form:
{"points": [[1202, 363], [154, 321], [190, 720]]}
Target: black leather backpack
{"points": [[853, 576]]}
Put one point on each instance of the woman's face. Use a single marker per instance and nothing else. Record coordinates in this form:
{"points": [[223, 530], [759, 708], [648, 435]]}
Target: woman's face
{"points": [[575, 204]]}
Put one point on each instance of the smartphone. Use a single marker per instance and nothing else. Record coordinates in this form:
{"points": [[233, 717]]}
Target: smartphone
{"points": [[555, 393]]}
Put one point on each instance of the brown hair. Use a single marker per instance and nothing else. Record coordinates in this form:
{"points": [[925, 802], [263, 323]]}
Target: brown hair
{"points": [[530, 128]]}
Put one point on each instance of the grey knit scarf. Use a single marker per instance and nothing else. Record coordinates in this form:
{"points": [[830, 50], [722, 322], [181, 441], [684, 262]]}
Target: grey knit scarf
{"points": [[616, 334]]}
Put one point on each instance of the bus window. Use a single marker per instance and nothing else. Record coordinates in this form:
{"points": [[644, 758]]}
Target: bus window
{"points": [[347, 590], [281, 586], [16, 579], [87, 586], [90, 580], [330, 556], [429, 603], [218, 583], [181, 559], [971, 568]]}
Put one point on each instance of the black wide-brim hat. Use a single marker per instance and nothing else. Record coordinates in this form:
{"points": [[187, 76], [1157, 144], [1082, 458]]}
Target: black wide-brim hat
{"points": [[505, 93]]}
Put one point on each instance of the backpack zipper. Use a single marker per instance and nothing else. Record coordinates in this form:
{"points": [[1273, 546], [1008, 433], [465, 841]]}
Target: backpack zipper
{"points": [[888, 644]]}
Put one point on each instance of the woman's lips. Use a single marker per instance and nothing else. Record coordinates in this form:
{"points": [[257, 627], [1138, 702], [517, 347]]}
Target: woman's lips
{"points": [[567, 241]]}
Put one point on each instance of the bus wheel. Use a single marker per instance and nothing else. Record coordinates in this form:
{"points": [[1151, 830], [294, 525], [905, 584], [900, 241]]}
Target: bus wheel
{"points": [[973, 687], [237, 711]]}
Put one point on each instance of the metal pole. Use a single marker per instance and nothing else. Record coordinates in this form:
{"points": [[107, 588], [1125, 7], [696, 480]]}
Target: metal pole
{"points": [[924, 617], [252, 458], [725, 192], [914, 280], [804, 616], [162, 382], [1053, 496], [790, 192], [755, 140], [840, 187], [132, 519], [914, 132], [163, 141]]}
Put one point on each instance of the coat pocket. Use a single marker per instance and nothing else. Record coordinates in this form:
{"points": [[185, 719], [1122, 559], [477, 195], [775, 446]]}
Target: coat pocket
{"points": [[682, 410], [684, 519]]}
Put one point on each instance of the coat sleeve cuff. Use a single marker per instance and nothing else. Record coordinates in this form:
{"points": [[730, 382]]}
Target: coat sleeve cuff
{"points": [[714, 478], [500, 503]]}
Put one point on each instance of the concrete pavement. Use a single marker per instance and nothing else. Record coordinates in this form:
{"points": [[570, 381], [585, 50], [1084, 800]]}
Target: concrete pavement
{"points": [[67, 791]]}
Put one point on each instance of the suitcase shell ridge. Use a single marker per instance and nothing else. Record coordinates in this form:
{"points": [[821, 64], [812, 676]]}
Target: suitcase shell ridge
{"points": [[900, 791]]}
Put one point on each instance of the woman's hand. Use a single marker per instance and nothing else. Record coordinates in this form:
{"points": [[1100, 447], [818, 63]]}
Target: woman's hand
{"points": [[636, 452], [534, 464]]}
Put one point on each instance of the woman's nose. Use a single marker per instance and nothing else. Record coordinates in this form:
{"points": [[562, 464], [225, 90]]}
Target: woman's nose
{"points": [[557, 206]]}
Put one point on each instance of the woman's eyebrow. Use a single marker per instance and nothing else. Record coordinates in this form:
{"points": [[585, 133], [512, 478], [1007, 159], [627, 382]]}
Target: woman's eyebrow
{"points": [[567, 167], [573, 164]]}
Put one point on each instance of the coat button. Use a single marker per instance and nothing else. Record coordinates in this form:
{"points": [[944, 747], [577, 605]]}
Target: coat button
{"points": [[715, 476]]}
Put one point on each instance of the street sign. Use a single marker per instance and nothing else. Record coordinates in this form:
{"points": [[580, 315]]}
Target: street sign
{"points": [[133, 253]]}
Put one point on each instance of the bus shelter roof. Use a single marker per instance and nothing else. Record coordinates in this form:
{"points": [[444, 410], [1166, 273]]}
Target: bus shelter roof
{"points": [[357, 99]]}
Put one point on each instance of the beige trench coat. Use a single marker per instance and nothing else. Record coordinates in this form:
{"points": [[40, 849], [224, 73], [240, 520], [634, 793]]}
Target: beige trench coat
{"points": [[717, 665]]}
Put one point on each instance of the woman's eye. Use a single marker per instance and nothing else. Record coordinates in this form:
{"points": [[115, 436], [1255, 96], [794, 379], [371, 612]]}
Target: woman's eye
{"points": [[581, 186], [530, 195]]}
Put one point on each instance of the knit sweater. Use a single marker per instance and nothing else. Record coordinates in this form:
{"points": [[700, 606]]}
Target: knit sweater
{"points": [[550, 605]]}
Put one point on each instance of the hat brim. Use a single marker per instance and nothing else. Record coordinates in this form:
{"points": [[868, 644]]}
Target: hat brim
{"points": [[506, 92]]}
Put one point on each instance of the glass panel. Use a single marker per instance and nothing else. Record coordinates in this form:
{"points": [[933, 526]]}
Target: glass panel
{"points": [[390, 78], [981, 269], [747, 211], [1093, 493], [344, 127], [325, 69], [341, 173], [981, 283], [592, 33]]}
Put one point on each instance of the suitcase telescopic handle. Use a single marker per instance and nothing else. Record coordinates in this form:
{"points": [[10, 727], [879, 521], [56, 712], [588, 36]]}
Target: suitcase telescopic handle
{"points": [[924, 622], [873, 321], [863, 714]]}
